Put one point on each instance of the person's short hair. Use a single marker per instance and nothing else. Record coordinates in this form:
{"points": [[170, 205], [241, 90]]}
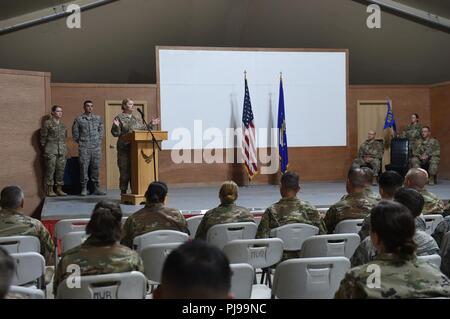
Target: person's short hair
{"points": [[229, 192], [196, 270], [105, 224], [156, 192], [395, 227], [369, 174], [411, 199], [124, 102], [417, 177], [290, 180], [416, 115], [390, 181], [54, 107], [427, 127], [11, 197], [357, 177], [7, 268], [87, 102]]}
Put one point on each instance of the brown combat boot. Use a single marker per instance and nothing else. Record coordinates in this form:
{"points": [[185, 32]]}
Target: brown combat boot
{"points": [[431, 180], [59, 191], [50, 192]]}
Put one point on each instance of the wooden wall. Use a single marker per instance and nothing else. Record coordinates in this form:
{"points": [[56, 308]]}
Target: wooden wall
{"points": [[24, 98], [440, 119]]}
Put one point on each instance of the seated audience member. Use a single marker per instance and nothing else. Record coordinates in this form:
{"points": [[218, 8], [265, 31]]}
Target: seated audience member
{"points": [[288, 210], [389, 182], [402, 275], [13, 222], [154, 216], [370, 153], [226, 212], [439, 234], [195, 270], [426, 245], [7, 267], [369, 178], [426, 152], [101, 253], [356, 205], [417, 178], [442, 228]]}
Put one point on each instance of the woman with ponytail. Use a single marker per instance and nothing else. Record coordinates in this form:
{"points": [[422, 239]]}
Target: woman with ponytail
{"points": [[226, 212], [395, 272], [154, 216], [101, 253]]}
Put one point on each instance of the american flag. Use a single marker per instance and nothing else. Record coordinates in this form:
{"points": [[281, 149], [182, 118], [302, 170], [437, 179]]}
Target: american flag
{"points": [[249, 138]]}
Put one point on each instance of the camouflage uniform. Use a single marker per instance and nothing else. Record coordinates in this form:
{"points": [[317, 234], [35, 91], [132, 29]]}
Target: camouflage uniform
{"points": [[433, 205], [374, 149], [289, 211], [412, 132], [154, 216], [366, 251], [365, 228], [223, 214], [93, 258], [369, 193], [442, 228], [400, 278], [53, 140], [428, 147], [87, 131], [128, 124], [354, 206], [13, 223]]}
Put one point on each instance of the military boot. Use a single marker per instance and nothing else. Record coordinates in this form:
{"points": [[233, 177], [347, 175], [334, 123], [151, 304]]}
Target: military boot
{"points": [[97, 190], [59, 191], [431, 180], [50, 192], [83, 190]]}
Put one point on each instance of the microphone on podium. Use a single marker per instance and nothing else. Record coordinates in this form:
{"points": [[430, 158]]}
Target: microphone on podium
{"points": [[140, 112]]}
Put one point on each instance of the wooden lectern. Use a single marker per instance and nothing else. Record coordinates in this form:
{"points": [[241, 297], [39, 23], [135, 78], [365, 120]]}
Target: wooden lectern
{"points": [[144, 163]]}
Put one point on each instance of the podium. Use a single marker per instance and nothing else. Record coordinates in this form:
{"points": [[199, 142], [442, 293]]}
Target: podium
{"points": [[142, 163]]}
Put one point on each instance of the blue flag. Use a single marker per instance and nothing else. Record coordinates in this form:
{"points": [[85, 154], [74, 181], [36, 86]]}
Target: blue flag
{"points": [[390, 121], [282, 139]]}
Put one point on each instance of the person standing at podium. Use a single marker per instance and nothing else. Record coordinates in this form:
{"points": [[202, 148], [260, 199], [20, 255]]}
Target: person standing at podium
{"points": [[123, 124]]}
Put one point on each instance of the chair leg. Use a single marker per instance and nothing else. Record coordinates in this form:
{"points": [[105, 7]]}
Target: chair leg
{"points": [[263, 275]]}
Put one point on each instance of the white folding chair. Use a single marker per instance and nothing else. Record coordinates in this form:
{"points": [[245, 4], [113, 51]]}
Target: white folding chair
{"points": [[432, 221], [309, 278], [259, 253], [193, 223], [431, 259], [349, 226], [330, 245], [30, 270], [26, 293], [159, 237], [220, 235], [71, 240], [242, 280], [293, 235], [258, 220], [66, 226], [153, 257], [127, 285], [20, 244]]}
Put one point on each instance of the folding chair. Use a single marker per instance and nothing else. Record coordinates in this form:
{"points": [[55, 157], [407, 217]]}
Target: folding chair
{"points": [[432, 221], [349, 226], [159, 237], [293, 235], [193, 223], [20, 244], [66, 226], [309, 278], [72, 240], [330, 245], [30, 270], [26, 293], [242, 280], [431, 259], [220, 235], [127, 285]]}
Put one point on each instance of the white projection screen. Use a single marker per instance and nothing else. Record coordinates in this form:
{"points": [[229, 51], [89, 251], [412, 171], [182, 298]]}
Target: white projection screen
{"points": [[201, 95]]}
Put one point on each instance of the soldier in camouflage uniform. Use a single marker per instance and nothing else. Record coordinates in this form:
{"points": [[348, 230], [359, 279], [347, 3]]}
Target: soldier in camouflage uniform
{"points": [[154, 216], [14, 223], [356, 205], [417, 178], [401, 274], [87, 131], [53, 140], [426, 151], [226, 212], [370, 153], [101, 253], [288, 210], [123, 124], [413, 130]]}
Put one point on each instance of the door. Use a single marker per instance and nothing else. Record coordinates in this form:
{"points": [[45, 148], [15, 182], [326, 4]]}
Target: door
{"points": [[371, 117], [112, 108]]}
